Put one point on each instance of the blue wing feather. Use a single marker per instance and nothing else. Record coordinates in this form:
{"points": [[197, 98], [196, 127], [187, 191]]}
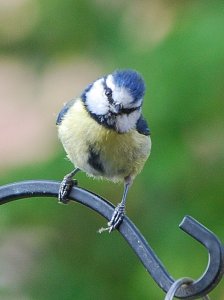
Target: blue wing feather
{"points": [[142, 126], [64, 110]]}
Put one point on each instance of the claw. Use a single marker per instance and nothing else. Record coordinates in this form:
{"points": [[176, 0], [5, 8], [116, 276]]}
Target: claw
{"points": [[116, 219], [65, 188], [119, 212]]}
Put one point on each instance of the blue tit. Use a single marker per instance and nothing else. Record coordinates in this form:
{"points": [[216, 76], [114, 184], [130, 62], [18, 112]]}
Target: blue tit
{"points": [[105, 135]]}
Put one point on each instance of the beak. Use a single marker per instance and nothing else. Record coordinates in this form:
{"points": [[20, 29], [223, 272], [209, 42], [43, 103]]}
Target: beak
{"points": [[116, 108]]}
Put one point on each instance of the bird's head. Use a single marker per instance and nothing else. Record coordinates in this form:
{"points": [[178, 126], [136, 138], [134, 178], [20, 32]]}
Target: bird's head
{"points": [[115, 100]]}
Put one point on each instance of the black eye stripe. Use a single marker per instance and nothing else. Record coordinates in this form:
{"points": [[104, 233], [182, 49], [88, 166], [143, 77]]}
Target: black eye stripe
{"points": [[129, 110], [108, 92]]}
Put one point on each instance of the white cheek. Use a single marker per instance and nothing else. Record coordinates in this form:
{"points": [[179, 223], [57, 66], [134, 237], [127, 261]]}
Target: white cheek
{"points": [[138, 103], [125, 122], [96, 100], [120, 94]]}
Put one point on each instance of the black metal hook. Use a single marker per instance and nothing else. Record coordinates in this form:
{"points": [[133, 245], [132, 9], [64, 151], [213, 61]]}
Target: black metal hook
{"points": [[198, 288], [181, 282]]}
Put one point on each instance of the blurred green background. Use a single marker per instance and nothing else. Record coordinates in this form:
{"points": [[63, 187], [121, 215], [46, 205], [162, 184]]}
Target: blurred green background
{"points": [[49, 51]]}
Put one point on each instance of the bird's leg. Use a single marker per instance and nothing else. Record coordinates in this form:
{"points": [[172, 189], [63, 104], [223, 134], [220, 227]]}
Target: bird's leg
{"points": [[66, 186], [119, 211]]}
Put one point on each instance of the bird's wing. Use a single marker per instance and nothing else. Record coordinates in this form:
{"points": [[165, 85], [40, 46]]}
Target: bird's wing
{"points": [[142, 126], [64, 111]]}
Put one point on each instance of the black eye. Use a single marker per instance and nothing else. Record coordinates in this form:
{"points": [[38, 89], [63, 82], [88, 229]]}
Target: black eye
{"points": [[108, 92]]}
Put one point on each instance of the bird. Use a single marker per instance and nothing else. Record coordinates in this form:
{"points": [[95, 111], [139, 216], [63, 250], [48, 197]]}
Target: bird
{"points": [[105, 135]]}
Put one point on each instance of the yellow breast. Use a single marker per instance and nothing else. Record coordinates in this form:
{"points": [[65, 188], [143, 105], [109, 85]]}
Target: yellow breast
{"points": [[99, 151]]}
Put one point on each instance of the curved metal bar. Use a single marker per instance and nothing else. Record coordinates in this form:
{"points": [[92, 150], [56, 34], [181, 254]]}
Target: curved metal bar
{"points": [[200, 287]]}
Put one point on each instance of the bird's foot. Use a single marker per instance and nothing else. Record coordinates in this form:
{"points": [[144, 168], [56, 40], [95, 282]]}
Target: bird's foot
{"points": [[116, 219], [65, 188]]}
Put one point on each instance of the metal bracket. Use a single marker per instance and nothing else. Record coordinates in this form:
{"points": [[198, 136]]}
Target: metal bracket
{"points": [[200, 287]]}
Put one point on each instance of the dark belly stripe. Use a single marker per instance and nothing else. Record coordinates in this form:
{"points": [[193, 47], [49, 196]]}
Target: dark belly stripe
{"points": [[94, 160]]}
